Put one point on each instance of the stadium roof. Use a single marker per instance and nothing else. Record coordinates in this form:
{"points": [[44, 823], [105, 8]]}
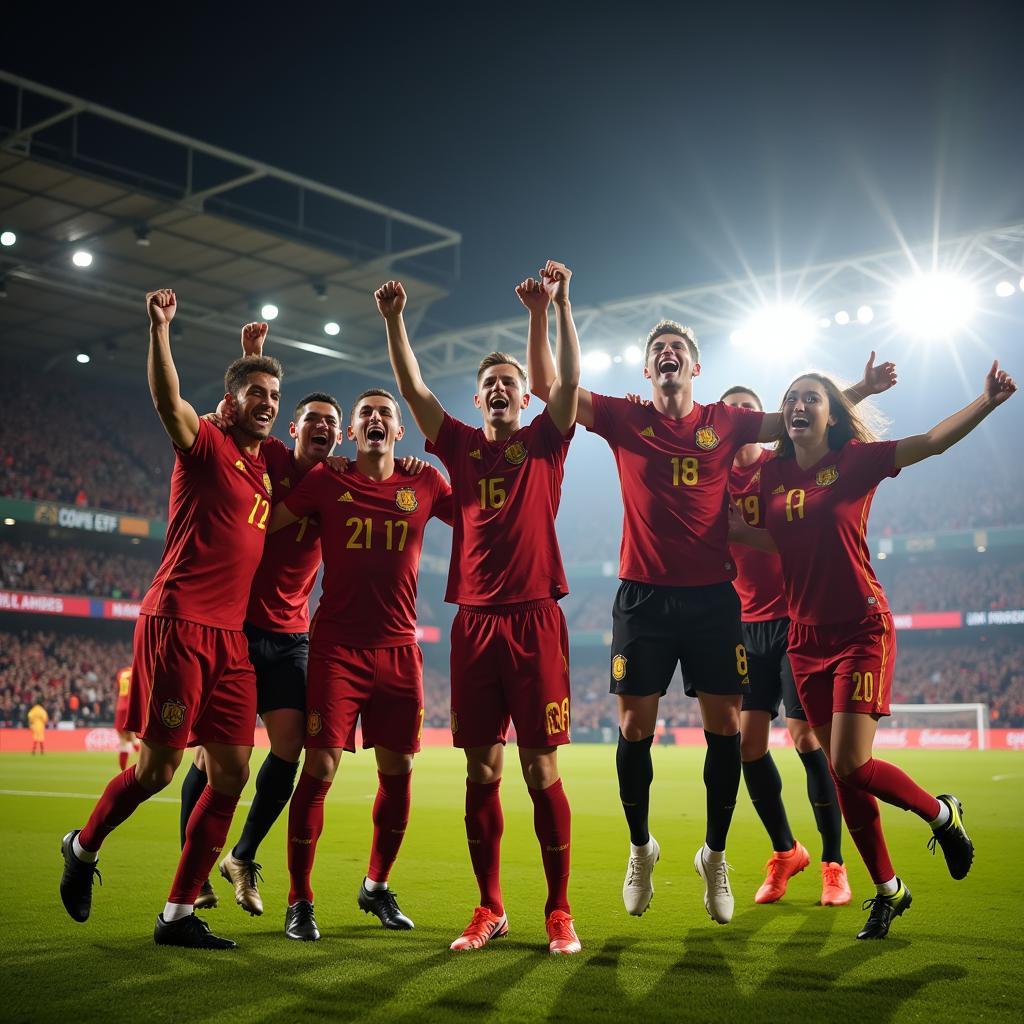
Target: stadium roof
{"points": [[228, 233]]}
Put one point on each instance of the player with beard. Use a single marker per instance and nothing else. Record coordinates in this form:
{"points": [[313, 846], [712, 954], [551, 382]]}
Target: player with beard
{"points": [[364, 660], [510, 651], [192, 681]]}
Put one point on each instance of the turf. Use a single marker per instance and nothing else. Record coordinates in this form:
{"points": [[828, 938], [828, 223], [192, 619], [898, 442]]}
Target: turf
{"points": [[956, 952]]}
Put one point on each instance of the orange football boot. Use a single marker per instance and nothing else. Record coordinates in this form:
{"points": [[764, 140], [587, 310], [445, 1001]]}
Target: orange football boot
{"points": [[835, 886], [484, 926], [561, 934], [780, 869]]}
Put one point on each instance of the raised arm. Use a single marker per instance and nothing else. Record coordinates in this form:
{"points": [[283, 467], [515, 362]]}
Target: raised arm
{"points": [[178, 417], [999, 387], [426, 409]]}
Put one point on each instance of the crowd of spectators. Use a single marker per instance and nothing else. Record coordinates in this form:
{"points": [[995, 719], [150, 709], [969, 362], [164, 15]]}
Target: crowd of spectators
{"points": [[984, 582], [70, 569]]}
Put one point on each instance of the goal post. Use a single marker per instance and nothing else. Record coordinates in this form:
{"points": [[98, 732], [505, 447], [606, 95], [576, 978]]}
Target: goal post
{"points": [[941, 716]]}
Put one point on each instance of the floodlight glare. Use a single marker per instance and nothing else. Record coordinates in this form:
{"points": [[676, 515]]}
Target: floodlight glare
{"points": [[597, 360], [82, 258], [332, 328], [933, 305], [633, 355], [842, 318], [824, 323], [775, 329], [8, 238], [269, 311], [82, 357], [1004, 289], [865, 314]]}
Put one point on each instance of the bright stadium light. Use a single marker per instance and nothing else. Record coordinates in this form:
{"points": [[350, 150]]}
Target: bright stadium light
{"points": [[633, 355], [269, 311], [1004, 289], [824, 323], [596, 360], [332, 328], [7, 239], [933, 305], [842, 318], [8, 521], [865, 314], [82, 258], [1022, 284], [83, 357], [775, 329]]}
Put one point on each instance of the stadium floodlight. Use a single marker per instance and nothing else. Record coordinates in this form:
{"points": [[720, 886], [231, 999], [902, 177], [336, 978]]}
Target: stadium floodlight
{"points": [[933, 305], [1022, 284], [786, 328], [269, 311], [881, 556], [142, 235], [982, 549], [865, 314], [82, 258], [1005, 289], [8, 521], [842, 318], [824, 323], [633, 355], [83, 357], [332, 328], [7, 239], [597, 360]]}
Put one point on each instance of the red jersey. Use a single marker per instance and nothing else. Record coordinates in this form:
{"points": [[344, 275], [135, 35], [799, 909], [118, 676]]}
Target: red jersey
{"points": [[674, 475], [506, 495], [818, 518], [758, 573], [216, 525], [371, 532], [279, 599], [124, 683]]}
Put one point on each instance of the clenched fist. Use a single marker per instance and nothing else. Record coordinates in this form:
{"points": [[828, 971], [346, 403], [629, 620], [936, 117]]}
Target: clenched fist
{"points": [[390, 298], [533, 295], [253, 337], [161, 306]]}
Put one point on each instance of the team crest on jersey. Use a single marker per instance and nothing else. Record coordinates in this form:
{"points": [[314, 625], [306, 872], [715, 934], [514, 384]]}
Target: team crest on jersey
{"points": [[314, 723], [266, 483], [827, 476], [779, 490], [556, 717], [707, 438], [406, 500], [756, 478], [515, 453], [239, 464], [285, 482], [475, 453], [455, 722], [172, 713], [347, 496], [618, 668], [647, 432]]}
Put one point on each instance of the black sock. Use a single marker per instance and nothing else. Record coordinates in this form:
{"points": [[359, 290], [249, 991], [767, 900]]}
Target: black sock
{"points": [[821, 791], [192, 787], [273, 791], [722, 781], [636, 772], [764, 784]]}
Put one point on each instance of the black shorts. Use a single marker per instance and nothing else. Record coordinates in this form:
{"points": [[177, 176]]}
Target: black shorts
{"points": [[656, 628], [280, 661], [771, 677]]}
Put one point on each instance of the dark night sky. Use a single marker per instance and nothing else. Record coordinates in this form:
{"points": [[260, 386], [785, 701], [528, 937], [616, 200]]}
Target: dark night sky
{"points": [[644, 145]]}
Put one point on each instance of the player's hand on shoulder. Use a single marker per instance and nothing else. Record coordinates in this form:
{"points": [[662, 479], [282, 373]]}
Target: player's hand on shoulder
{"points": [[533, 295], [225, 415], [555, 277], [999, 385], [390, 298], [881, 377], [338, 463], [161, 306], [412, 466], [254, 336]]}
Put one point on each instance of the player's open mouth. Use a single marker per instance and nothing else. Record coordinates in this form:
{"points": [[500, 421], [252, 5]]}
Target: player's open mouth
{"points": [[376, 434], [668, 366], [319, 439], [798, 422], [264, 418], [498, 404]]}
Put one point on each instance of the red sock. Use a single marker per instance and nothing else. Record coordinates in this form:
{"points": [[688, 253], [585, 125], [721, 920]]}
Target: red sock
{"points": [[860, 812], [552, 822], [894, 786], [122, 795], [122, 763], [205, 836], [390, 818], [484, 826], [305, 824]]}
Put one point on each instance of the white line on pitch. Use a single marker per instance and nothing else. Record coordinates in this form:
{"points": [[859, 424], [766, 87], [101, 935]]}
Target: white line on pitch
{"points": [[1003, 778]]}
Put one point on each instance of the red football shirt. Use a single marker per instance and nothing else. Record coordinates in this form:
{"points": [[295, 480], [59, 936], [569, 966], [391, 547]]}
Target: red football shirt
{"points": [[371, 532], [674, 475], [279, 599], [506, 495], [758, 573], [124, 683], [216, 525], [818, 518]]}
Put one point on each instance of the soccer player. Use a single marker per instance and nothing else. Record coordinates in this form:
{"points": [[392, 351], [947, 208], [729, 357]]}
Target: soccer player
{"points": [[816, 494], [125, 737], [37, 719], [191, 677], [364, 660], [510, 651]]}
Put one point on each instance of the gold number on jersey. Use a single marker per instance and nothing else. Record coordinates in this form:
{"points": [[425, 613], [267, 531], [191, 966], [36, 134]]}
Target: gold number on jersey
{"points": [[863, 686], [396, 532], [684, 471], [362, 532], [399, 526], [741, 660], [492, 492], [303, 523], [258, 500], [794, 504], [751, 506]]}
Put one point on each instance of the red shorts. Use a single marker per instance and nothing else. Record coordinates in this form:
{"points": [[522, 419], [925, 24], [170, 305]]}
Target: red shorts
{"points": [[381, 686], [510, 664], [846, 666], [191, 684], [121, 714]]}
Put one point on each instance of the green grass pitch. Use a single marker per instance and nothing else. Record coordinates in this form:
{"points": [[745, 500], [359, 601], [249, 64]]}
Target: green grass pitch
{"points": [[956, 954]]}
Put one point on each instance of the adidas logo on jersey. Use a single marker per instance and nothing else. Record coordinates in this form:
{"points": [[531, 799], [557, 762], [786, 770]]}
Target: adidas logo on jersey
{"points": [[475, 453], [779, 490], [347, 496], [647, 432], [285, 482]]}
